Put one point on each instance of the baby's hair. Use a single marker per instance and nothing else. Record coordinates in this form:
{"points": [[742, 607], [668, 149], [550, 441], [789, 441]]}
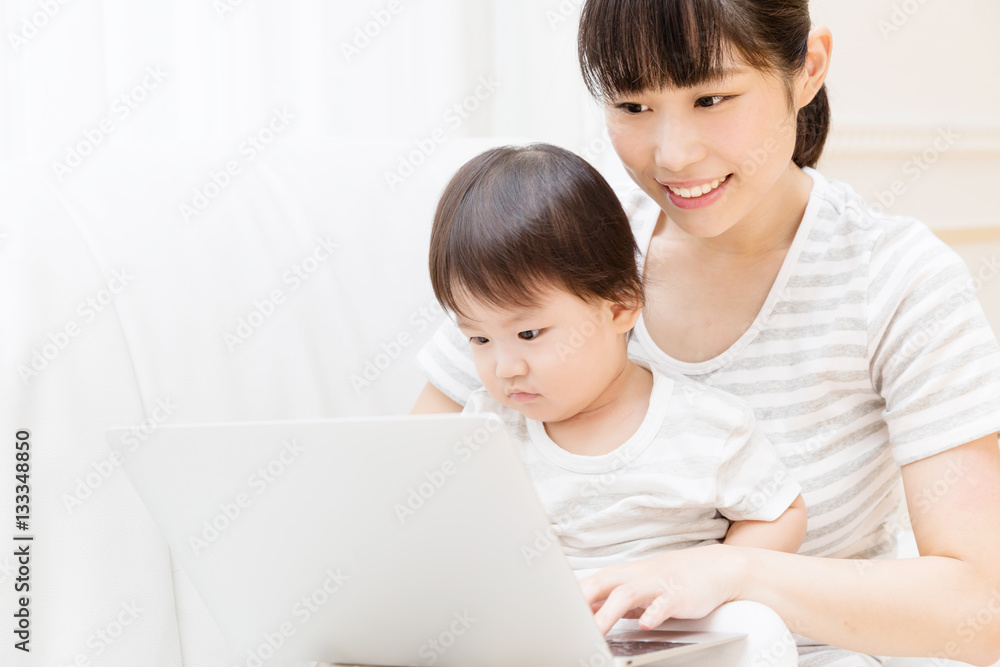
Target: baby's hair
{"points": [[517, 221], [631, 46]]}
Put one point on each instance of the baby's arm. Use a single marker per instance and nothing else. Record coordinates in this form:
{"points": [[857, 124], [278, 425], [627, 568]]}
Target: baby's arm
{"points": [[757, 493], [783, 534]]}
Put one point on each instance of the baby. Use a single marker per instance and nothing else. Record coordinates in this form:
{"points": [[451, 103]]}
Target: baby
{"points": [[532, 254]]}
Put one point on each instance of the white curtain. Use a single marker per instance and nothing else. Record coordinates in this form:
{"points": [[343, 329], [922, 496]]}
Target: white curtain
{"points": [[395, 69], [372, 68]]}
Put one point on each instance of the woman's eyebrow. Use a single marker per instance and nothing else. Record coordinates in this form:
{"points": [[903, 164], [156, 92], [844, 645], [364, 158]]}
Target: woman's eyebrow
{"points": [[724, 73], [714, 77]]}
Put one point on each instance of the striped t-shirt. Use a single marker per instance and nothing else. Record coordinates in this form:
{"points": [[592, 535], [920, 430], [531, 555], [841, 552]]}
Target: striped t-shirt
{"points": [[871, 351], [697, 462]]}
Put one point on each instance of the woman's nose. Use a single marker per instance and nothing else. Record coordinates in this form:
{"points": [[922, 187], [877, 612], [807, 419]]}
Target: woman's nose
{"points": [[677, 146]]}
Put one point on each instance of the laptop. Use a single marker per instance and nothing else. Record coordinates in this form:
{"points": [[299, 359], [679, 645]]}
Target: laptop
{"points": [[414, 540]]}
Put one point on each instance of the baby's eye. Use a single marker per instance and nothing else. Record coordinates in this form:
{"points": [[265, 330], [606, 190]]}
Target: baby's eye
{"points": [[479, 340], [709, 102], [632, 107], [529, 335]]}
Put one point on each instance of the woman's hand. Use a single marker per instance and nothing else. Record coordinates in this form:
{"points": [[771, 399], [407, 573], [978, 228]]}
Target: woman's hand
{"points": [[686, 583], [940, 605]]}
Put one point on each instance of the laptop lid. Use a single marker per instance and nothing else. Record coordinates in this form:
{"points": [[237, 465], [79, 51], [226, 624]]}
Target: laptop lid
{"points": [[392, 541]]}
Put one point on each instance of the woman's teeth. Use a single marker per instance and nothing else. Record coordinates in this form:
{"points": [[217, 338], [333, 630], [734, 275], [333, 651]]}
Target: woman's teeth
{"points": [[698, 190]]}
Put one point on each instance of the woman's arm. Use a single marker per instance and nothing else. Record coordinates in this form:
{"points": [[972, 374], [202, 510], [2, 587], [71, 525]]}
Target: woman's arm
{"points": [[432, 401], [946, 603], [783, 534]]}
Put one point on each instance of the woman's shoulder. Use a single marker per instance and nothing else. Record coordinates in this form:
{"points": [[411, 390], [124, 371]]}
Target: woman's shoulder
{"points": [[843, 215]]}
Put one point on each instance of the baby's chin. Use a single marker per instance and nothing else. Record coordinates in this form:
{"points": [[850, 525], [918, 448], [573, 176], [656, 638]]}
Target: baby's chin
{"points": [[540, 409]]}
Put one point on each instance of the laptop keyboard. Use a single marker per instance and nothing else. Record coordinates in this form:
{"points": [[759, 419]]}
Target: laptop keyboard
{"points": [[622, 648]]}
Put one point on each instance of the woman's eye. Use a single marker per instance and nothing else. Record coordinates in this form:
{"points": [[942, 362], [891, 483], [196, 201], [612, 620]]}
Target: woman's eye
{"points": [[528, 335], [479, 340], [632, 107], [709, 102]]}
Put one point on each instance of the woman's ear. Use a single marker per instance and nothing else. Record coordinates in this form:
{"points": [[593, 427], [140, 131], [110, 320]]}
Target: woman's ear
{"points": [[817, 65]]}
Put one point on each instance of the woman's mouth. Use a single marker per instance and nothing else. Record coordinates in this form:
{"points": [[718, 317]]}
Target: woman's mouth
{"points": [[697, 196]]}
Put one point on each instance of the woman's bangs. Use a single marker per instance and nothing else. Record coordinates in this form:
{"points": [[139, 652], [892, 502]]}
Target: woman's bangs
{"points": [[630, 46]]}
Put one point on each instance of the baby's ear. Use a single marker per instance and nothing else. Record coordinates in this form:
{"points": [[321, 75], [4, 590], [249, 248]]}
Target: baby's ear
{"points": [[625, 314]]}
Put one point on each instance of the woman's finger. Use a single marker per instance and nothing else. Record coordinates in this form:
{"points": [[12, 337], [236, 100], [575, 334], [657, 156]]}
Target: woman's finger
{"points": [[619, 602], [658, 611], [599, 585]]}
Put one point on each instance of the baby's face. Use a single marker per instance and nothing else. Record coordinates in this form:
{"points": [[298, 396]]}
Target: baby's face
{"points": [[552, 361]]}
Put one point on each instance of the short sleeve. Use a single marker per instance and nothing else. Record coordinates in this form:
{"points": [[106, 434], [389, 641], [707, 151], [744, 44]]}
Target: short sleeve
{"points": [[481, 401], [933, 357], [752, 484], [446, 361]]}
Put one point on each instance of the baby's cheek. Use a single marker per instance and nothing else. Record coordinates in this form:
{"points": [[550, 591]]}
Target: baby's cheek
{"points": [[484, 367]]}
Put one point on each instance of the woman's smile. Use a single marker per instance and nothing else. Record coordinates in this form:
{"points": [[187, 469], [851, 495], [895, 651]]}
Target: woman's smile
{"points": [[698, 196]]}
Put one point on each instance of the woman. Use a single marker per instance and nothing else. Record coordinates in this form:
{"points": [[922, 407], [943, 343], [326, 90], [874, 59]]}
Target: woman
{"points": [[855, 336]]}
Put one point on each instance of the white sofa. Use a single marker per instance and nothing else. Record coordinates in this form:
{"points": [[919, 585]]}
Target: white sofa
{"points": [[163, 342], [121, 306]]}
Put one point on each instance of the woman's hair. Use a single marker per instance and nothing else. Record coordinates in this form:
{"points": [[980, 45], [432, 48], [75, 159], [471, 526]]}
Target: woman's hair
{"points": [[630, 46], [517, 221]]}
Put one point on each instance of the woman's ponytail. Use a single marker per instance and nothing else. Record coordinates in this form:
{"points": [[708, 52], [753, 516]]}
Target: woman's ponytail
{"points": [[813, 127]]}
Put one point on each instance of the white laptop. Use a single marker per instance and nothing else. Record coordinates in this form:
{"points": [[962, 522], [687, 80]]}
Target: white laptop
{"points": [[394, 541]]}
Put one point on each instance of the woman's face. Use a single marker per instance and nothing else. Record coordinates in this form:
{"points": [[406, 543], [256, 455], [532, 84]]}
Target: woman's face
{"points": [[712, 155]]}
